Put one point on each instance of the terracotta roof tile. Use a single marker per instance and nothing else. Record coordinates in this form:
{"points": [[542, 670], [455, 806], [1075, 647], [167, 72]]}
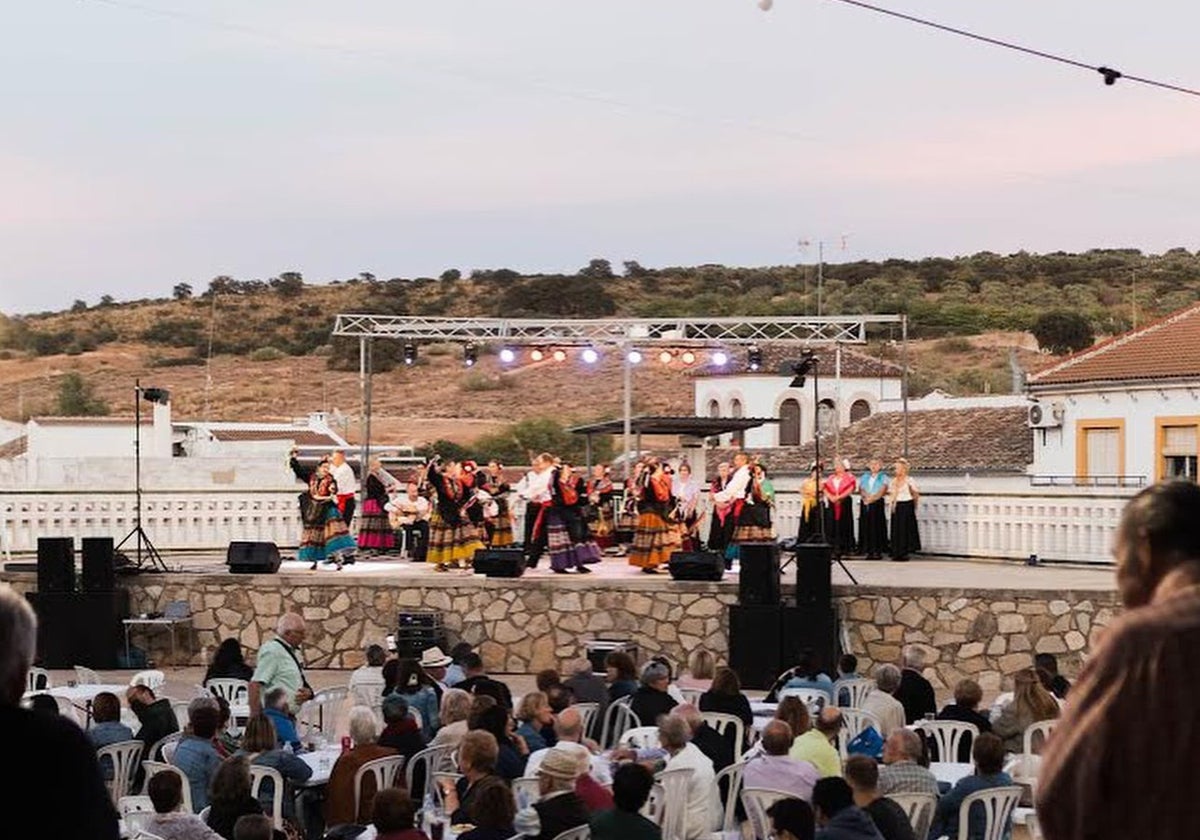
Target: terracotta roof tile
{"points": [[1166, 349], [14, 448], [777, 361], [301, 436]]}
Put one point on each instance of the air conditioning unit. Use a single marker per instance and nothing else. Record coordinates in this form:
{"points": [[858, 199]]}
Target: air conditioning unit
{"points": [[1046, 416]]}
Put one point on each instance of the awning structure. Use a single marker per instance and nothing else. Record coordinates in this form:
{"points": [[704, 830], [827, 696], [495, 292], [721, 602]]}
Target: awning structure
{"points": [[697, 427]]}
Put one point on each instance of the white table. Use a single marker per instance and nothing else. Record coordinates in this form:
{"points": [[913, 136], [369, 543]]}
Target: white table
{"points": [[167, 623], [81, 696], [951, 771], [321, 761]]}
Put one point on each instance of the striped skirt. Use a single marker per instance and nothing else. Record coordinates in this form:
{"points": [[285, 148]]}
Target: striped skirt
{"points": [[654, 540], [374, 529], [452, 545], [326, 543]]}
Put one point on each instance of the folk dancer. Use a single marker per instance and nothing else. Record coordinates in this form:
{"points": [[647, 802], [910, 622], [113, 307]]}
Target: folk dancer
{"points": [[534, 488], [839, 512], [497, 516], [627, 516], [567, 538], [686, 491], [409, 514], [600, 492], [720, 526], [453, 540], [872, 519], [655, 537], [810, 507], [325, 538], [750, 512], [347, 484], [374, 530], [902, 498], [474, 501]]}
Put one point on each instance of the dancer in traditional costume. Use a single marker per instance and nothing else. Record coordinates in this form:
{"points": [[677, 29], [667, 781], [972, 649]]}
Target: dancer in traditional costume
{"points": [[720, 525], [903, 496], [325, 538], [497, 516], [600, 493], [453, 539], [567, 538], [474, 502], [686, 491], [839, 511], [750, 512], [374, 529], [534, 488], [872, 519], [810, 507], [655, 537]]}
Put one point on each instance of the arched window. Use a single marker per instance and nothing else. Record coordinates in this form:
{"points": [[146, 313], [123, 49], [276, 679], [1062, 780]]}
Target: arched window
{"points": [[826, 416], [735, 410], [789, 423], [714, 408], [859, 410]]}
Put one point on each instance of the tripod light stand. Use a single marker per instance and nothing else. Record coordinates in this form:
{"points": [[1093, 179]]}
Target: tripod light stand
{"points": [[161, 396]]}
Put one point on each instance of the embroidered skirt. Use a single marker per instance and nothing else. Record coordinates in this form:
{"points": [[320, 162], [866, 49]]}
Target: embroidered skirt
{"points": [[654, 540], [452, 545], [374, 528], [326, 543]]}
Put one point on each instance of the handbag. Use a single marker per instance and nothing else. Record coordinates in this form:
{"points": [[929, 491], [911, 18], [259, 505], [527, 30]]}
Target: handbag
{"points": [[868, 742]]}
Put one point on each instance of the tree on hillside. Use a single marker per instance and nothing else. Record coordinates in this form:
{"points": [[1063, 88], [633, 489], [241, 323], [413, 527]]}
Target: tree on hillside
{"points": [[448, 449], [182, 291], [634, 269], [451, 275], [599, 268], [79, 306], [77, 398], [106, 300], [1063, 332], [513, 444], [288, 284]]}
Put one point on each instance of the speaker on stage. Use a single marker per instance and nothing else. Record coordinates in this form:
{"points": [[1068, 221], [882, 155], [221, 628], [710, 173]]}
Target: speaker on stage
{"points": [[696, 565], [813, 628], [506, 562], [758, 580], [814, 566], [99, 573], [56, 564], [80, 628], [754, 644], [253, 558]]}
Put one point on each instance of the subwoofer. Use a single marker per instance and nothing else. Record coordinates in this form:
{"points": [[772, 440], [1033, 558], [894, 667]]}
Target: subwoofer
{"points": [[253, 558], [754, 644], [814, 566], [499, 562], [812, 628], [56, 564], [79, 628], [758, 580], [696, 565], [98, 571]]}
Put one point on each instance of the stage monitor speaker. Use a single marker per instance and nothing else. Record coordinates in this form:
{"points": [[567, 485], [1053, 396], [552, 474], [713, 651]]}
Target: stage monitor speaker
{"points": [[696, 565], [814, 567], [504, 562], [80, 628], [253, 558], [758, 579], [812, 628], [98, 572], [754, 644], [56, 564]]}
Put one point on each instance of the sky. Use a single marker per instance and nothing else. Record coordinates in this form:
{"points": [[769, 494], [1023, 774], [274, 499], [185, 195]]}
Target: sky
{"points": [[152, 142]]}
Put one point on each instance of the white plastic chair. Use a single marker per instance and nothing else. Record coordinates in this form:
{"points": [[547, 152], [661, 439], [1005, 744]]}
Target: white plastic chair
{"points": [[123, 756], [384, 770], [919, 807], [320, 713], [235, 691], [997, 803], [732, 773], [1041, 728], [854, 721], [86, 676], [434, 760], [617, 719], [143, 834], [204, 812], [38, 679], [439, 782], [164, 748], [583, 832], [180, 708], [68, 709], [815, 698], [587, 713], [152, 679], [947, 736], [526, 791], [259, 773], [673, 812], [136, 812], [639, 737], [756, 801], [723, 723], [857, 689], [154, 767], [690, 696]]}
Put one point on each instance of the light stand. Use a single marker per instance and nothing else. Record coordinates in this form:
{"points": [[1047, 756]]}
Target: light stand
{"points": [[138, 534]]}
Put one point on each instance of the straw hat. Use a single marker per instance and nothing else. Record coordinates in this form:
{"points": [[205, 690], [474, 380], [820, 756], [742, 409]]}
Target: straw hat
{"points": [[434, 658], [561, 764]]}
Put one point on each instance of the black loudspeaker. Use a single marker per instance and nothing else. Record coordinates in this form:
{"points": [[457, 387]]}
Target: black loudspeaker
{"points": [[696, 565], [80, 628], [499, 562], [99, 574], [758, 580], [253, 558], [754, 644], [810, 627], [56, 564], [814, 567]]}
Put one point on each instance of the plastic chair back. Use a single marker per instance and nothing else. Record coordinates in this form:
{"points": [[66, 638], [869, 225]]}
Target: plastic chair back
{"points": [[235, 691], [86, 676], [691, 696], [38, 679], [756, 801], [815, 698], [434, 760], [320, 713], [854, 721], [617, 719], [947, 736], [526, 791], [728, 726], [997, 804], [123, 757], [673, 812], [583, 832], [383, 771], [153, 767], [259, 773], [919, 807], [164, 748], [152, 679], [180, 708], [1040, 731], [639, 737], [856, 690], [136, 812], [733, 776], [587, 713]]}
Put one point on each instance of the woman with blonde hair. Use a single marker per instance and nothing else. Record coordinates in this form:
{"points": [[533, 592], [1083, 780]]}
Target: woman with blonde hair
{"points": [[902, 495], [1031, 703], [701, 667]]}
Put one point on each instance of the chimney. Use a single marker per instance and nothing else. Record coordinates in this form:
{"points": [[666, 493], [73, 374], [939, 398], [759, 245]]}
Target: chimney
{"points": [[1018, 375], [162, 436]]}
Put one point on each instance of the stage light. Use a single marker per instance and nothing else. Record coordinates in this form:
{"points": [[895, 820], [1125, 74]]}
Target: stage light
{"points": [[410, 354], [470, 354], [801, 369], [560, 355], [720, 358], [536, 354], [754, 358], [665, 357], [634, 356], [507, 355], [688, 357], [589, 355]]}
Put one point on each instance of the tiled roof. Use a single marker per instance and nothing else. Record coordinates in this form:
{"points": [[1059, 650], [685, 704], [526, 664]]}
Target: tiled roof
{"points": [[147, 420], [14, 448], [1166, 349], [301, 436], [777, 361], [957, 439]]}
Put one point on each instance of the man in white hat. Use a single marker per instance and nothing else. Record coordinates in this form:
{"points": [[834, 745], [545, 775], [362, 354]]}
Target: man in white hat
{"points": [[435, 663], [559, 807]]}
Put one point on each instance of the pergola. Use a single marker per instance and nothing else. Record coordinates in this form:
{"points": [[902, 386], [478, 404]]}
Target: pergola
{"points": [[700, 427], [624, 333]]}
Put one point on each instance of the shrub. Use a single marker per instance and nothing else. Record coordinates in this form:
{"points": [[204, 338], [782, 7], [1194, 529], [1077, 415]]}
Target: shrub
{"points": [[483, 382], [267, 354]]}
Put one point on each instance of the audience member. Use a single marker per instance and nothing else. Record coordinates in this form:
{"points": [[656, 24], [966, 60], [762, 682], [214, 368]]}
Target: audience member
{"points": [[419, 691], [392, 816], [107, 727], [339, 792], [620, 672], [915, 692], [256, 827], [718, 748], [458, 655], [701, 812], [44, 704], [435, 663], [902, 771], [276, 707], [534, 714], [568, 728], [701, 668], [366, 681], [558, 697], [806, 673], [514, 752], [480, 703], [672, 689], [558, 807], [53, 761], [400, 731], [1031, 703], [880, 702], [988, 753], [195, 754], [847, 669], [818, 746], [1120, 761], [837, 817], [279, 665], [725, 695], [478, 682], [774, 769], [1047, 668], [477, 754], [792, 819], [225, 742], [965, 709], [492, 812], [546, 678], [231, 796], [260, 746], [794, 712], [456, 706], [157, 719], [630, 789], [228, 662], [862, 774], [651, 699], [586, 686], [170, 821]]}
